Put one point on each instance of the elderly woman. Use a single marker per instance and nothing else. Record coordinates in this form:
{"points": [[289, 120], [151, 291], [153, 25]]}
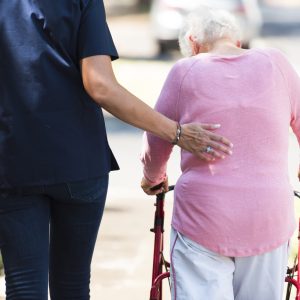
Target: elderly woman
{"points": [[233, 217]]}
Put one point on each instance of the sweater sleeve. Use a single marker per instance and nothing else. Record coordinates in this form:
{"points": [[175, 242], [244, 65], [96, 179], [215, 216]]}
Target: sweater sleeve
{"points": [[155, 151], [293, 85], [294, 82]]}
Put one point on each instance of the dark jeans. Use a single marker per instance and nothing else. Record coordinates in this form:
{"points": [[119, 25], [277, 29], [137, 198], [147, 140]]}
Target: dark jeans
{"points": [[50, 230]]}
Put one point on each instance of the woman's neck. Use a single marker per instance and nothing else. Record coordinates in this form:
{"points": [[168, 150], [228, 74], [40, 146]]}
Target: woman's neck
{"points": [[225, 47]]}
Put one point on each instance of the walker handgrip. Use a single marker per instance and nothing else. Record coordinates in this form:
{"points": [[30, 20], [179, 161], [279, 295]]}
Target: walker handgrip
{"points": [[157, 187], [171, 188]]}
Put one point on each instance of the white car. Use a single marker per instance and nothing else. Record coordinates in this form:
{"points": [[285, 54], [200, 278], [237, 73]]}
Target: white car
{"points": [[281, 17], [167, 18]]}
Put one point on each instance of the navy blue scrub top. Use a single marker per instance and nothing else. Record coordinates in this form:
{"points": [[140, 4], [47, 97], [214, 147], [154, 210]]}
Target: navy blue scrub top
{"points": [[51, 131]]}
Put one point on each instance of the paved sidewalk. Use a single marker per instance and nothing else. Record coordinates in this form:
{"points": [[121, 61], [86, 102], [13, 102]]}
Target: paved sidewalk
{"points": [[2, 288], [123, 257]]}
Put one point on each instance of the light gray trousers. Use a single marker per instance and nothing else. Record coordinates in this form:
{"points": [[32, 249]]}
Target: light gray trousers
{"points": [[200, 274]]}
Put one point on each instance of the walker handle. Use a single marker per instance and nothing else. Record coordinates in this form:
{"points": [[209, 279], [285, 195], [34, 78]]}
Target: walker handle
{"points": [[157, 187]]}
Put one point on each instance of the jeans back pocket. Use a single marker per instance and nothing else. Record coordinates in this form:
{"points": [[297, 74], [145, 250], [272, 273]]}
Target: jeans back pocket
{"points": [[90, 190]]}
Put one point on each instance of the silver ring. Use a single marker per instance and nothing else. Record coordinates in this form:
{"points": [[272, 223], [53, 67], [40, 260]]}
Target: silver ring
{"points": [[209, 149]]}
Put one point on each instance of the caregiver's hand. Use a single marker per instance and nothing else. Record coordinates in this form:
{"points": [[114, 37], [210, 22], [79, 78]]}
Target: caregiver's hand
{"points": [[206, 145]]}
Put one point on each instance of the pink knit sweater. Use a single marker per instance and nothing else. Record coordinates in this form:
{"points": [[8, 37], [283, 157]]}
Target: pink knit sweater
{"points": [[242, 205]]}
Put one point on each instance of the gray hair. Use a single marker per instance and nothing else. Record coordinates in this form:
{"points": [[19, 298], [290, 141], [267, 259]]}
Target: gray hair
{"points": [[207, 25]]}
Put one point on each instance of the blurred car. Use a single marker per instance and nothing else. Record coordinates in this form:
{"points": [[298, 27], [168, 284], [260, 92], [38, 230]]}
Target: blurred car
{"points": [[280, 17], [167, 18]]}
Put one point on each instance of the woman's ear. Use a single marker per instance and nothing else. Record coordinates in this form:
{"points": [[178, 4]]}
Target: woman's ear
{"points": [[196, 47], [191, 38], [239, 44]]}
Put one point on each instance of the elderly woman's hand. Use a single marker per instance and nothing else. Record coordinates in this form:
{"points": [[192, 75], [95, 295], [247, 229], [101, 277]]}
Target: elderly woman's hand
{"points": [[149, 188], [206, 145]]}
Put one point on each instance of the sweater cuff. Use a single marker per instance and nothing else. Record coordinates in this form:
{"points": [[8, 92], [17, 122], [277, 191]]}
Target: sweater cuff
{"points": [[155, 181]]}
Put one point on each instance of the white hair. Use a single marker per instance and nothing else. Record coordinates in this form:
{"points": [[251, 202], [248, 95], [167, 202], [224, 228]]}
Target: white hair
{"points": [[206, 26]]}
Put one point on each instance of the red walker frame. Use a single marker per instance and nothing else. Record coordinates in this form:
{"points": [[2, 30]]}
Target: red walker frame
{"points": [[158, 257], [293, 273]]}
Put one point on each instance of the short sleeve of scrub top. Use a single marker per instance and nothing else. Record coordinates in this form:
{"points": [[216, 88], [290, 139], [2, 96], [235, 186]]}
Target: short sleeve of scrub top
{"points": [[94, 35]]}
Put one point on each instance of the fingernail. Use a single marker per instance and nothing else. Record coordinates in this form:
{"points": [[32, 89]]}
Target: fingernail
{"points": [[230, 152], [231, 145], [217, 125]]}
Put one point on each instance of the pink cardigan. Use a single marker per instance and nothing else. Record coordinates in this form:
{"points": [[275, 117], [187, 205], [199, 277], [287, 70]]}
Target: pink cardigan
{"points": [[242, 205]]}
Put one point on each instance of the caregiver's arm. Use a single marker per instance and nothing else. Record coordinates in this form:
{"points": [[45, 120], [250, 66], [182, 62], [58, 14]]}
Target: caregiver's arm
{"points": [[101, 84]]}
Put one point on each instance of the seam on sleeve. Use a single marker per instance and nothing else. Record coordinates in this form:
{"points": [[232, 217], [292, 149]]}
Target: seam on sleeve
{"points": [[90, 5], [180, 88], [85, 7], [285, 80]]}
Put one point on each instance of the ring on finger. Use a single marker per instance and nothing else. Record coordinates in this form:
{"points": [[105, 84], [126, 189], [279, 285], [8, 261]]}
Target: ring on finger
{"points": [[209, 149]]}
